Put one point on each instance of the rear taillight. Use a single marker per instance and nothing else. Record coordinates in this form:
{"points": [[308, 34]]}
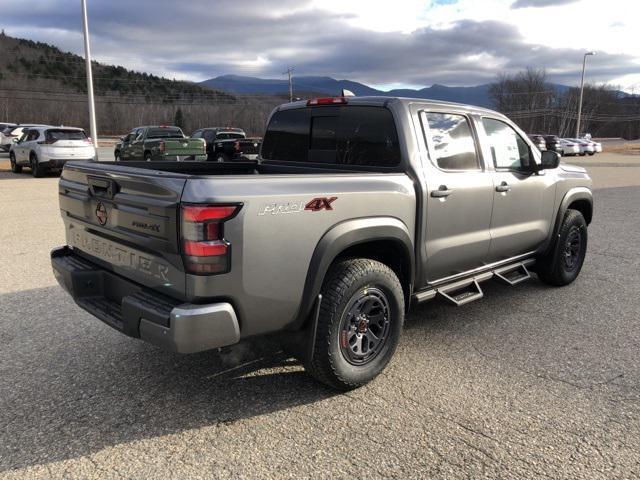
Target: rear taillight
{"points": [[204, 247], [161, 146]]}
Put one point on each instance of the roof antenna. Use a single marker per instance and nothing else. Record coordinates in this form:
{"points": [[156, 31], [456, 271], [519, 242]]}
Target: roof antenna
{"points": [[347, 93]]}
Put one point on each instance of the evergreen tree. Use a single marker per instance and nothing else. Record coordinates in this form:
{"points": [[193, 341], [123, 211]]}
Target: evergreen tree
{"points": [[178, 119]]}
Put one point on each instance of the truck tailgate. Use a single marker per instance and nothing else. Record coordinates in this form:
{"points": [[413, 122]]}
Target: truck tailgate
{"points": [[125, 219], [182, 147]]}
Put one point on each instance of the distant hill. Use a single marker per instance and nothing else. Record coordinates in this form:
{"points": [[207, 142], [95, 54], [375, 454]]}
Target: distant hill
{"points": [[37, 66], [39, 83], [476, 95]]}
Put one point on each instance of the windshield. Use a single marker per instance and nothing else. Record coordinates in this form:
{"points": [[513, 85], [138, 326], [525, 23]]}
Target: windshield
{"points": [[162, 132], [60, 134]]}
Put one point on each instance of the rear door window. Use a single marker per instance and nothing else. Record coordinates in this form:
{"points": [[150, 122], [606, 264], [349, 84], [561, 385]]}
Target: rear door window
{"points": [[451, 141], [337, 135]]}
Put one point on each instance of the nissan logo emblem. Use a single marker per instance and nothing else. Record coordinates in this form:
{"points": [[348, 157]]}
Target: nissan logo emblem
{"points": [[101, 213]]}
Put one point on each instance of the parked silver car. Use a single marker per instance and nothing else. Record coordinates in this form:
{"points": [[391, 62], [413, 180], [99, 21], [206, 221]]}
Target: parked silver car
{"points": [[586, 146], [568, 148], [48, 148]]}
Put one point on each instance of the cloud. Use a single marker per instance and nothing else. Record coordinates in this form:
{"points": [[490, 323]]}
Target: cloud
{"points": [[540, 3], [196, 40]]}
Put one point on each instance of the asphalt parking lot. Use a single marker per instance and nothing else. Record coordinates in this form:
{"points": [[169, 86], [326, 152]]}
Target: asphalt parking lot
{"points": [[531, 381]]}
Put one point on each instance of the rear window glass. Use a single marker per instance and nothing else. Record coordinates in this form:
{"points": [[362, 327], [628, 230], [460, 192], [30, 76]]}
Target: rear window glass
{"points": [[65, 135], [228, 136], [170, 132], [345, 135]]}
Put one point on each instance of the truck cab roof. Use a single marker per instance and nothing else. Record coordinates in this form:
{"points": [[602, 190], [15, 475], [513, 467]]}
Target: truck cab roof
{"points": [[380, 101]]}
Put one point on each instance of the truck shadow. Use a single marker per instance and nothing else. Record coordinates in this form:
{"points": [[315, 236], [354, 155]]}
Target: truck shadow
{"points": [[71, 386]]}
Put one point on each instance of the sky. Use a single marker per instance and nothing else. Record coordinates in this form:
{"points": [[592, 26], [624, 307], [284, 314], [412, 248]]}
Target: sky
{"points": [[385, 44]]}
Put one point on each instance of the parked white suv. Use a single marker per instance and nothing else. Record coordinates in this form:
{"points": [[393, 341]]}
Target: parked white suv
{"points": [[48, 148]]}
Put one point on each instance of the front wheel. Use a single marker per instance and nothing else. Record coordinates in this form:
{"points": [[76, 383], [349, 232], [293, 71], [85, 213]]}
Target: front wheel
{"points": [[563, 263], [359, 326], [222, 157], [147, 157], [36, 169], [15, 168], [117, 157]]}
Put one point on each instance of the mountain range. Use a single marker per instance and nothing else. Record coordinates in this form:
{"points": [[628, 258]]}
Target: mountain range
{"points": [[309, 85], [477, 95]]}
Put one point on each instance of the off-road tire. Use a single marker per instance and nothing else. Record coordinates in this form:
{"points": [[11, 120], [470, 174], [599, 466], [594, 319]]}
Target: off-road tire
{"points": [[346, 281], [36, 169], [556, 268], [15, 168]]}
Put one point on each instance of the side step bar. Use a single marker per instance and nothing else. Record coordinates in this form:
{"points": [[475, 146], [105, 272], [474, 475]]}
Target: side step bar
{"points": [[467, 290], [512, 274]]}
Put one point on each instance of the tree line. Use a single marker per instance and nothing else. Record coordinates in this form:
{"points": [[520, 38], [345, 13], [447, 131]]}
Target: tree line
{"points": [[539, 106]]}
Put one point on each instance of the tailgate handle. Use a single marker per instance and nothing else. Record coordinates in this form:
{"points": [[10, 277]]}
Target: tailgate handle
{"points": [[102, 187]]}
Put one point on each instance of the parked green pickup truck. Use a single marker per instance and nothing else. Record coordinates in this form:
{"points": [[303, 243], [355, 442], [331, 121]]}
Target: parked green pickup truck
{"points": [[159, 143]]}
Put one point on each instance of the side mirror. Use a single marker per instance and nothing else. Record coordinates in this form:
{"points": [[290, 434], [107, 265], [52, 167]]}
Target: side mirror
{"points": [[550, 160]]}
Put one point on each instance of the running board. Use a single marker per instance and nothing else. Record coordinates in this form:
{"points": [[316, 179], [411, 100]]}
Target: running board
{"points": [[512, 274], [465, 291]]}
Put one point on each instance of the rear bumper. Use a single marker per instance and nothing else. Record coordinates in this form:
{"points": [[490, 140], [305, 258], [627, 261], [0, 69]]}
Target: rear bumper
{"points": [[142, 313]]}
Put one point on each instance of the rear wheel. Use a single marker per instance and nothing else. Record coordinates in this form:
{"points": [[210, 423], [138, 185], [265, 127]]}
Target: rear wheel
{"points": [[359, 326], [36, 169], [563, 263], [117, 157], [147, 157], [222, 157], [15, 168]]}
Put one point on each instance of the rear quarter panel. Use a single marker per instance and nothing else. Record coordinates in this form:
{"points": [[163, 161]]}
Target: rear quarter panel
{"points": [[273, 237]]}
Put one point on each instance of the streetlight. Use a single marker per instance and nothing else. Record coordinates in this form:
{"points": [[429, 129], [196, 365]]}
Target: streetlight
{"points": [[87, 54], [584, 64]]}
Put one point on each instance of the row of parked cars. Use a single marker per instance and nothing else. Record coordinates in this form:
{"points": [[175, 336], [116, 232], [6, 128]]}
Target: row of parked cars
{"points": [[164, 142], [46, 148], [566, 146]]}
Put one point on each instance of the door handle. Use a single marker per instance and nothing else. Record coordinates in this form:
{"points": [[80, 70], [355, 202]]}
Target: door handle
{"points": [[442, 192], [503, 187]]}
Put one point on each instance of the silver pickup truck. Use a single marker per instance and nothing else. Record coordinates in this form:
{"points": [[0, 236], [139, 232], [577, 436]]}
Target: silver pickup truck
{"points": [[358, 208]]}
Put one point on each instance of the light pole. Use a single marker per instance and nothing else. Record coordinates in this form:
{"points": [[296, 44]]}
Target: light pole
{"points": [[288, 72], [87, 54], [584, 65]]}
